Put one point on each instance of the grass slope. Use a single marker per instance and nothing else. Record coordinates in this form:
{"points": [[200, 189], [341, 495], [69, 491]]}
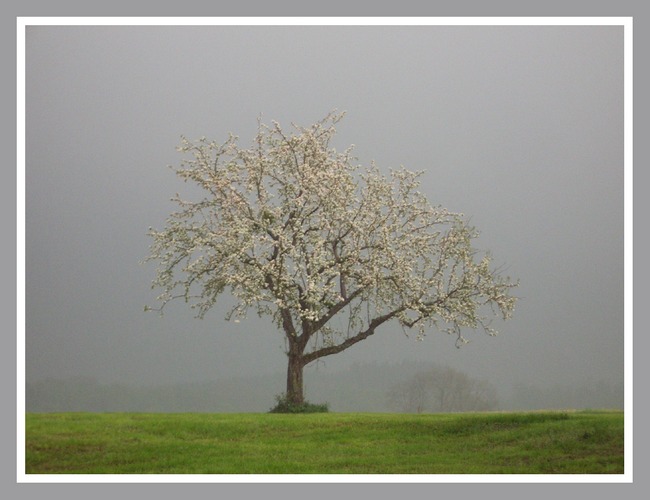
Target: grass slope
{"points": [[477, 443]]}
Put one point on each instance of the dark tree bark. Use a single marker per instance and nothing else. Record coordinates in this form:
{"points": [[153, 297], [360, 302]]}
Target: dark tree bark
{"points": [[296, 360], [295, 386]]}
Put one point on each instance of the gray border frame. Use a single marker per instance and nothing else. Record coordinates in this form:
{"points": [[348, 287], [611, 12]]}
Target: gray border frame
{"points": [[14, 8]]}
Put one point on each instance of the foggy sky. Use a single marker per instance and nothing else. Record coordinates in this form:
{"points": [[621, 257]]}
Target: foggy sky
{"points": [[519, 128]]}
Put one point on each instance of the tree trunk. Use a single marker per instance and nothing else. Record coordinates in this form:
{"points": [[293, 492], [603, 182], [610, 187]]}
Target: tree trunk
{"points": [[295, 391]]}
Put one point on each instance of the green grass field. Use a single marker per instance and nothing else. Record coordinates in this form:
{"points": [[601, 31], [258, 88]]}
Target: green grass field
{"points": [[588, 442]]}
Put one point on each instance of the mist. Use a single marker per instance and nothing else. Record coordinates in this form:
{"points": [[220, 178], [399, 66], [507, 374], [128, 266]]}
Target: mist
{"points": [[519, 128]]}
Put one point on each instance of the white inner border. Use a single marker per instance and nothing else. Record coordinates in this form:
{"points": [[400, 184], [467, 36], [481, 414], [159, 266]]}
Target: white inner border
{"points": [[23, 22]]}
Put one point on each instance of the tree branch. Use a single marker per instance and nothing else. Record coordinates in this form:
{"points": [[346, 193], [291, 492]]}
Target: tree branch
{"points": [[328, 351], [335, 309]]}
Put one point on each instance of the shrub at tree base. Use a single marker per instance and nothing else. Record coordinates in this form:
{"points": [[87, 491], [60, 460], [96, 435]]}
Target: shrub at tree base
{"points": [[285, 405]]}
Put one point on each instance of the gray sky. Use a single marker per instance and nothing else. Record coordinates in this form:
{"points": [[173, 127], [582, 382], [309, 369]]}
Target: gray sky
{"points": [[519, 128]]}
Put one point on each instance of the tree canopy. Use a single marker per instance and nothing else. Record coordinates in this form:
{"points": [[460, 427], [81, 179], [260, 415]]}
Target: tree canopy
{"points": [[329, 249]]}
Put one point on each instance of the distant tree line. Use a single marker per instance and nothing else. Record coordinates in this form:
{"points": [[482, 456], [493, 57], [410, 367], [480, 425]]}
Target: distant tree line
{"points": [[362, 387], [594, 394]]}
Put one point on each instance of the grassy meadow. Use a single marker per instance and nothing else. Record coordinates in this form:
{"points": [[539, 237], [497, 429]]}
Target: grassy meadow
{"points": [[583, 442]]}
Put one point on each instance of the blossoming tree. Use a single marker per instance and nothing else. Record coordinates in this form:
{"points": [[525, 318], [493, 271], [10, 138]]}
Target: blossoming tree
{"points": [[328, 249]]}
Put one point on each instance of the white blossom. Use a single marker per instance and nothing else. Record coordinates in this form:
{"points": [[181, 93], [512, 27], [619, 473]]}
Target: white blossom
{"points": [[331, 250]]}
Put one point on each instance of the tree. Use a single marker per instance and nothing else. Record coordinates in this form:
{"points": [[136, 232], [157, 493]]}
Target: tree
{"points": [[442, 389], [328, 249]]}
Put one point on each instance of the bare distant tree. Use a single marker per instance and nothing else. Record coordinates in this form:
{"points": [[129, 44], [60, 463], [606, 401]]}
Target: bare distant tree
{"points": [[442, 389]]}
